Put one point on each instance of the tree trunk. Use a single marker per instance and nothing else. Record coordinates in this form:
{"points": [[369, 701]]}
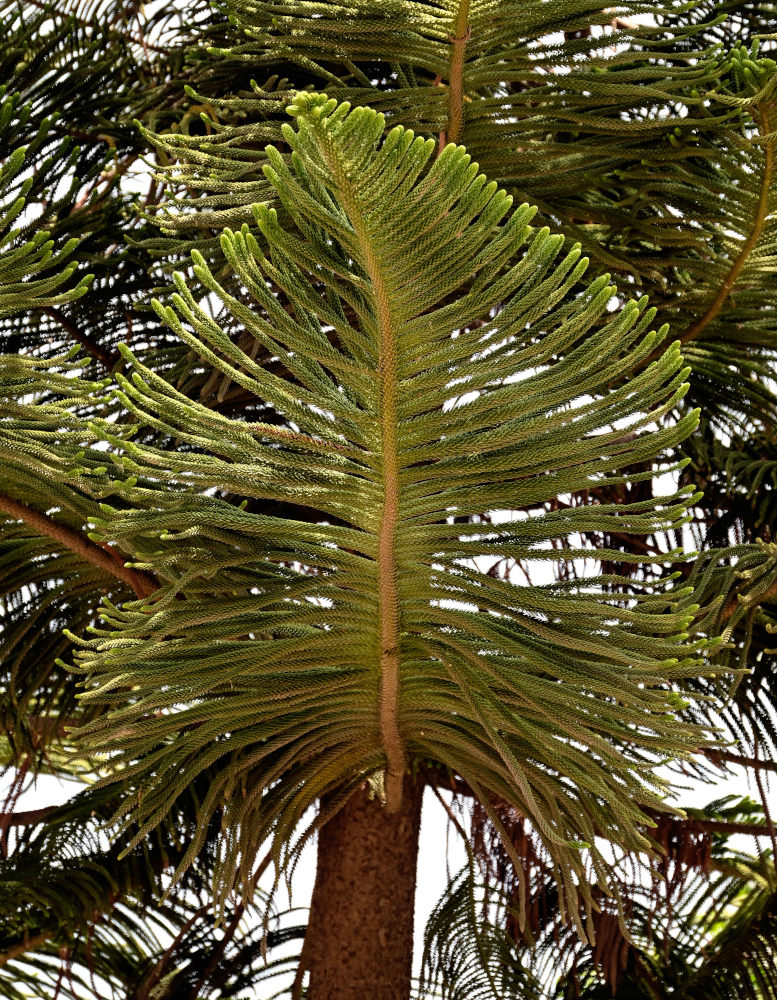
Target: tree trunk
{"points": [[360, 934]]}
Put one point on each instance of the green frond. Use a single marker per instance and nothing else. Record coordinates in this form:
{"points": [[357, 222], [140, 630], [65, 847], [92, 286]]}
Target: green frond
{"points": [[328, 451], [47, 580], [696, 918], [650, 144], [75, 913], [710, 936], [42, 586], [741, 959], [467, 954], [720, 300], [111, 64], [737, 586], [736, 478], [32, 272], [565, 116], [433, 365]]}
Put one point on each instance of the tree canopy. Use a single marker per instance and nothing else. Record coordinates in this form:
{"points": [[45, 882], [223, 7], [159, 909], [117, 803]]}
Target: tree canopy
{"points": [[387, 396]]}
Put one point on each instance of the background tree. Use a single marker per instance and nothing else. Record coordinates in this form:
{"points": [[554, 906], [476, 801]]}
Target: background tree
{"points": [[265, 507]]}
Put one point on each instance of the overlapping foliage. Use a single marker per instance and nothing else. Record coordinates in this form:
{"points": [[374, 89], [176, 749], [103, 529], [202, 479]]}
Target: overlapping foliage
{"points": [[399, 431], [241, 438], [702, 926]]}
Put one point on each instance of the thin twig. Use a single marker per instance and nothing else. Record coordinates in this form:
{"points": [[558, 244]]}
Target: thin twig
{"points": [[106, 359]]}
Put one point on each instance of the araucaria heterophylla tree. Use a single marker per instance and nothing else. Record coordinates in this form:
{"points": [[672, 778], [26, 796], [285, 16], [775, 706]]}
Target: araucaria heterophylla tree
{"points": [[411, 429]]}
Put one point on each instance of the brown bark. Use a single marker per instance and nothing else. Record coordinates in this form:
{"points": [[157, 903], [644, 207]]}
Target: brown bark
{"points": [[22, 946], [360, 935]]}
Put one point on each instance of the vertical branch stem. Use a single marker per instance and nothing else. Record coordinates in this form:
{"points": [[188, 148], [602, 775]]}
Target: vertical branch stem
{"points": [[461, 33], [388, 593]]}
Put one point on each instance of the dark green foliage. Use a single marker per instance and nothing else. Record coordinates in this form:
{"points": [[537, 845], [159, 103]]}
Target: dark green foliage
{"points": [[93, 906], [468, 955], [698, 924]]}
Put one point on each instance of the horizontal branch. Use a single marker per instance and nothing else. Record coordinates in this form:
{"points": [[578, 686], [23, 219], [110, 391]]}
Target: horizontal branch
{"points": [[693, 825], [104, 558], [27, 817], [733, 758], [22, 946], [44, 727], [439, 777]]}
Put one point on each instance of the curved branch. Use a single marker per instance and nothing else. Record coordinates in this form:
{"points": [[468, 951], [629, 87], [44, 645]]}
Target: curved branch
{"points": [[30, 817], [105, 558], [154, 976], [26, 945], [219, 950]]}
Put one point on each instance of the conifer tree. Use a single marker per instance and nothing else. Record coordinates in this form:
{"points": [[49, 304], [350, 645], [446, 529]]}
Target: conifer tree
{"points": [[387, 409]]}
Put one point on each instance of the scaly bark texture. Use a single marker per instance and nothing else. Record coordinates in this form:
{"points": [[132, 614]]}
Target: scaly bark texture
{"points": [[360, 937]]}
